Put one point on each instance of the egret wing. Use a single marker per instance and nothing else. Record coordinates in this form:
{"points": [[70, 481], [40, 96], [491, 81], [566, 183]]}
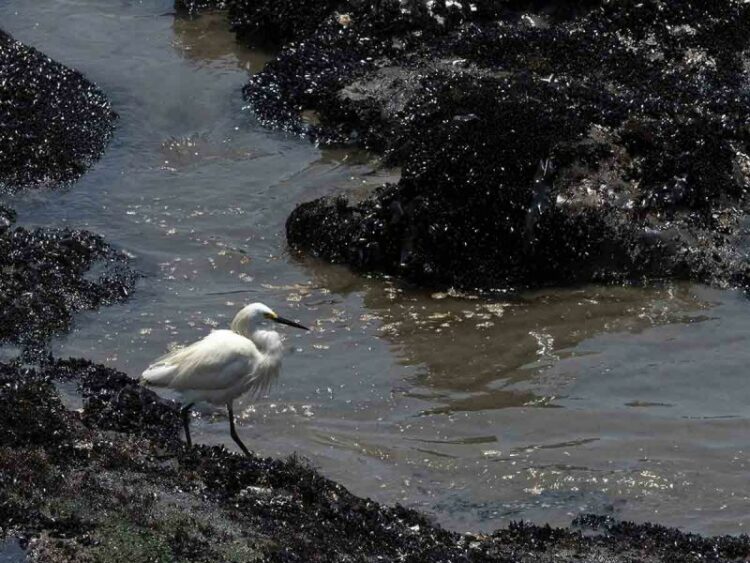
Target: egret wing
{"points": [[219, 361]]}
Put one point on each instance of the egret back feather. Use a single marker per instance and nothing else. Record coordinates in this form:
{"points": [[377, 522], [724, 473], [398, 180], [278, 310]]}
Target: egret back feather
{"points": [[224, 365], [218, 361]]}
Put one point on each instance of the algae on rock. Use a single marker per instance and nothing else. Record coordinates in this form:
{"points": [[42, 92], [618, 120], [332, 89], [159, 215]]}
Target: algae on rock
{"points": [[53, 122], [606, 142]]}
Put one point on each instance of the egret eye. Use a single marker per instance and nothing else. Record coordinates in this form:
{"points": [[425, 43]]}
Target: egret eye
{"points": [[269, 316]]}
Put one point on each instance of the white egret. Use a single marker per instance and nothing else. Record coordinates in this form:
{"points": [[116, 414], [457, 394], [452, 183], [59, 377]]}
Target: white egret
{"points": [[224, 365]]}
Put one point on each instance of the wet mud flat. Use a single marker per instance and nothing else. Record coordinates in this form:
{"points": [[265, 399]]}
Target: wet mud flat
{"points": [[112, 481]]}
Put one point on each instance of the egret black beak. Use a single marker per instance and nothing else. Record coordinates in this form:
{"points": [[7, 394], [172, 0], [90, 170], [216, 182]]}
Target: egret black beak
{"points": [[284, 321]]}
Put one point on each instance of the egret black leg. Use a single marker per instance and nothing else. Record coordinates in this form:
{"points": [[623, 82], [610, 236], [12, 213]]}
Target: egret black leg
{"points": [[233, 431], [185, 413]]}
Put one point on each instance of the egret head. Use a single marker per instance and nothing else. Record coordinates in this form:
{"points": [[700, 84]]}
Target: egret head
{"points": [[253, 316]]}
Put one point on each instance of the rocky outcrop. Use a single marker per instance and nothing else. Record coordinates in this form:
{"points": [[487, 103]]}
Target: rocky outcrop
{"points": [[46, 275], [602, 142], [111, 481], [53, 122], [267, 22]]}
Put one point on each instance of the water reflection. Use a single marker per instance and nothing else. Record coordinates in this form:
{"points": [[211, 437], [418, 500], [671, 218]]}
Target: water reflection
{"points": [[478, 353], [181, 152], [207, 40]]}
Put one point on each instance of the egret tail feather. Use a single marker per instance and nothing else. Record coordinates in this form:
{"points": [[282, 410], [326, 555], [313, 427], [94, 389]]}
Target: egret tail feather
{"points": [[159, 375]]}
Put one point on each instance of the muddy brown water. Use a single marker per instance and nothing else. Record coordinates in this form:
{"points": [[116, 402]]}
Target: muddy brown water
{"points": [[624, 401]]}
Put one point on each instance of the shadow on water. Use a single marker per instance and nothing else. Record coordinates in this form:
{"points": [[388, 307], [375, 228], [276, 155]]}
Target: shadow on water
{"points": [[625, 401]]}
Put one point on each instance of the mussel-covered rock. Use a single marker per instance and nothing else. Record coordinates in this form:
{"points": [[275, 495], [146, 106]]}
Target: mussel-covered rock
{"points": [[541, 143], [48, 274], [53, 122], [268, 22], [7, 217], [53, 125]]}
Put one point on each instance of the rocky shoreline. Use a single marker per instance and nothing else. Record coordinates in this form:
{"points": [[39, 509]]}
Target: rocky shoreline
{"points": [[46, 276], [113, 481], [606, 142], [100, 473]]}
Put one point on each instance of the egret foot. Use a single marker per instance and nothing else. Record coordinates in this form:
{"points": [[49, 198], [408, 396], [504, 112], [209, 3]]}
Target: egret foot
{"points": [[185, 413], [233, 431]]}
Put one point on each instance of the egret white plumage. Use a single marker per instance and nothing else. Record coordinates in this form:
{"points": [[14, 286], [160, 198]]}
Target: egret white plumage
{"points": [[224, 365]]}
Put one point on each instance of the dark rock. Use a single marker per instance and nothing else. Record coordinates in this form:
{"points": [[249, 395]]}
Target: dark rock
{"points": [[48, 274], [37, 415], [53, 122], [115, 402], [268, 22], [115, 479], [7, 217], [592, 141]]}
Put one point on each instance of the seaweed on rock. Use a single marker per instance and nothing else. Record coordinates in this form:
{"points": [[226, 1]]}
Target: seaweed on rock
{"points": [[46, 275], [269, 22], [53, 122], [606, 142]]}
